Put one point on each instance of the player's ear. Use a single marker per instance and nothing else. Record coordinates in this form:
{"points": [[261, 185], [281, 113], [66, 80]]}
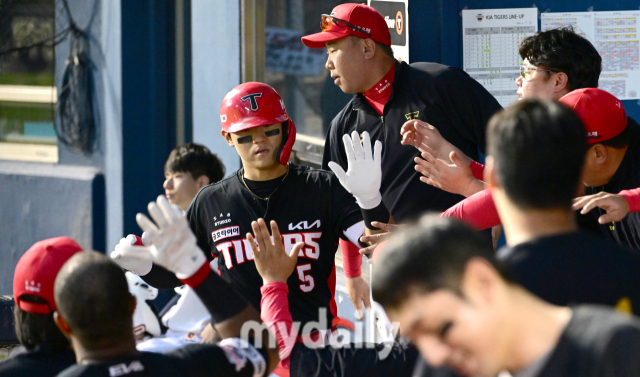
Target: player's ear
{"points": [[368, 48], [561, 82], [227, 138], [62, 324], [202, 181]]}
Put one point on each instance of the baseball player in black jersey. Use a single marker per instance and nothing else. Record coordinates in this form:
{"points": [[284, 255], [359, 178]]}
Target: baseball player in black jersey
{"points": [[311, 206], [95, 309]]}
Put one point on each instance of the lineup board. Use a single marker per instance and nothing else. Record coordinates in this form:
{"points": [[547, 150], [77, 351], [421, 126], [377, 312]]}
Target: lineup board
{"points": [[616, 37], [491, 38]]}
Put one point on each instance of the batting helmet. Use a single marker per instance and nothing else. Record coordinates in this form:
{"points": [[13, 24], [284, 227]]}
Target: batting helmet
{"points": [[254, 104]]}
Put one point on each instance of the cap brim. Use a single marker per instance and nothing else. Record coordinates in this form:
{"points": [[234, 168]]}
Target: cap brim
{"points": [[318, 40], [35, 307]]}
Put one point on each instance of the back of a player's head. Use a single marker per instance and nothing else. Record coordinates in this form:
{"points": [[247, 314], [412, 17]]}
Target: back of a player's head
{"points": [[195, 159], [426, 256], [34, 329], [33, 282], [93, 298], [564, 50], [538, 150]]}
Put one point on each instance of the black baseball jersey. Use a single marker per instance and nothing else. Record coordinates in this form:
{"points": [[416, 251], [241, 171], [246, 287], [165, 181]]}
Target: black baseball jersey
{"points": [[42, 360], [309, 205], [596, 342], [445, 97], [370, 360], [576, 268], [627, 177], [227, 359]]}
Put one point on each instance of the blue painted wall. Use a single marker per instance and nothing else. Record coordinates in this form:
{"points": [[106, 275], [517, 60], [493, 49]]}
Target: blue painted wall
{"points": [[435, 26], [148, 102]]}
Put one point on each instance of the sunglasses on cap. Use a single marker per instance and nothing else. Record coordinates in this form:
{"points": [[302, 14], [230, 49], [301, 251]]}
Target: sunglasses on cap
{"points": [[328, 21]]}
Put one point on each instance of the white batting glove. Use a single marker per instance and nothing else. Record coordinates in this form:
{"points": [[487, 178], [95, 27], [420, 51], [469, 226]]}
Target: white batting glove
{"points": [[174, 246], [139, 266], [364, 172]]}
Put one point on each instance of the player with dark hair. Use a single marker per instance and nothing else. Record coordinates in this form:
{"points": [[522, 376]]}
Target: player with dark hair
{"points": [[387, 93], [188, 169], [95, 310], [545, 251], [556, 62], [48, 351], [456, 302]]}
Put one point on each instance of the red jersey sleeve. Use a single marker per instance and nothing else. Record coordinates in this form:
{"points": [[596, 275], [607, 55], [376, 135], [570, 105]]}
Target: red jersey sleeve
{"points": [[274, 311], [477, 169], [351, 259], [477, 211], [633, 197]]}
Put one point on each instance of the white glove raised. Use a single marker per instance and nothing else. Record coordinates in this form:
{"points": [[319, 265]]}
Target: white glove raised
{"points": [[364, 172], [139, 266], [173, 245]]}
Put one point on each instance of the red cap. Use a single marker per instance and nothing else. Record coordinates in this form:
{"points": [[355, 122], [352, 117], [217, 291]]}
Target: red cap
{"points": [[601, 113], [37, 270], [360, 15]]}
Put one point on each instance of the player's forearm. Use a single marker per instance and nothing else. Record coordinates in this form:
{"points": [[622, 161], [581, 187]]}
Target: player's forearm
{"points": [[275, 313], [477, 169], [161, 278], [351, 259], [229, 310], [633, 198], [478, 211]]}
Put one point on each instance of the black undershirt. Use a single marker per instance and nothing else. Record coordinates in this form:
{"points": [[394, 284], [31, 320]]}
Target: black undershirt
{"points": [[264, 189]]}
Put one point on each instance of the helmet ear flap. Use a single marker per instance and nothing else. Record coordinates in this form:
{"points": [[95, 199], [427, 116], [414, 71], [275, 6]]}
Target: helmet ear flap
{"points": [[288, 139]]}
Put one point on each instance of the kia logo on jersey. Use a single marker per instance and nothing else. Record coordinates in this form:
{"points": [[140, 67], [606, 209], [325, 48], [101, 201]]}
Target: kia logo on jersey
{"points": [[252, 100], [302, 225]]}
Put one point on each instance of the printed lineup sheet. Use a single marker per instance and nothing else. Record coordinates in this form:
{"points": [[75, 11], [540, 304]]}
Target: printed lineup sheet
{"points": [[491, 38], [616, 37]]}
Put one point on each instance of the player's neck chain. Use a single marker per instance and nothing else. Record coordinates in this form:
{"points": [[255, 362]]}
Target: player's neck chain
{"points": [[254, 194]]}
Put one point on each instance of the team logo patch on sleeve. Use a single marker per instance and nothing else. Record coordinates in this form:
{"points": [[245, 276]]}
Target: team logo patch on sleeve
{"points": [[223, 233]]}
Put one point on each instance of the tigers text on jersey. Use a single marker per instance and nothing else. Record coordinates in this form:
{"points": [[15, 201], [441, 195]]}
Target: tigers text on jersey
{"points": [[309, 206]]}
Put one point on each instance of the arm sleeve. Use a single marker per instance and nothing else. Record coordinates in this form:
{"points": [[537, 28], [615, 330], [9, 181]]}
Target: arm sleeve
{"points": [[477, 211], [477, 169], [161, 278], [633, 197], [351, 259], [468, 113], [275, 313]]}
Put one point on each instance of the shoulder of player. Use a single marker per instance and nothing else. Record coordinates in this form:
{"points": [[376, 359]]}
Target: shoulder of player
{"points": [[574, 243], [434, 73], [603, 327]]}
